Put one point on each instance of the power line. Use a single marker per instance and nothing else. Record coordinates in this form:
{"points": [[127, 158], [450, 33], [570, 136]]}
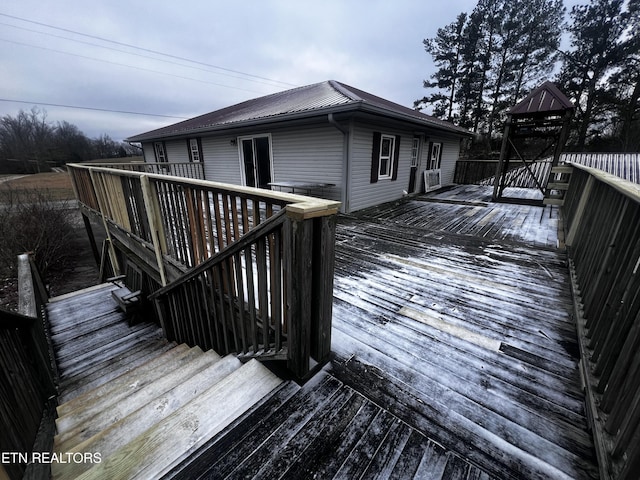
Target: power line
{"points": [[126, 65], [208, 70], [147, 50], [96, 109]]}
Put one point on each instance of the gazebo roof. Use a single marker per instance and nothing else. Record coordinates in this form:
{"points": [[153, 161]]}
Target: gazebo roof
{"points": [[546, 99]]}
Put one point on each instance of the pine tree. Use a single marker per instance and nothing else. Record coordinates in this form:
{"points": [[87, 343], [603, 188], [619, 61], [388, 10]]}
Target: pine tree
{"points": [[446, 50], [488, 59], [596, 50]]}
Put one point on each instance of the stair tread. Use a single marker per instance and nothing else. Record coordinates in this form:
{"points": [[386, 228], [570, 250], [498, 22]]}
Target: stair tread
{"points": [[154, 452], [558, 186], [132, 391], [124, 379], [83, 293], [104, 320], [297, 408], [82, 361], [562, 169], [103, 372], [122, 431], [92, 341]]}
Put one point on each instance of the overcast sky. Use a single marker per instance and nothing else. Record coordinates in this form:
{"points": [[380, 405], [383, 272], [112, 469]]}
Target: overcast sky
{"points": [[194, 57]]}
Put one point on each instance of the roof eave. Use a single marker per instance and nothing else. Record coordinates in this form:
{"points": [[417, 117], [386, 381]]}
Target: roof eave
{"points": [[285, 117], [348, 107], [415, 120]]}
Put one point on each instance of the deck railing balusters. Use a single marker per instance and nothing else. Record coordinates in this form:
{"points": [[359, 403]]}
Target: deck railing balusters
{"points": [[241, 245], [603, 220]]}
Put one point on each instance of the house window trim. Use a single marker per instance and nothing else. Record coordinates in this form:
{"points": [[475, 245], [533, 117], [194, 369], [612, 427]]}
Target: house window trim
{"points": [[376, 155], [195, 156], [415, 152], [435, 155], [388, 173]]}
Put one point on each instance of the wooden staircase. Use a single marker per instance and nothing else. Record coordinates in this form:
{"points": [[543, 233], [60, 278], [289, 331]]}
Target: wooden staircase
{"points": [[558, 184], [136, 406], [133, 405]]}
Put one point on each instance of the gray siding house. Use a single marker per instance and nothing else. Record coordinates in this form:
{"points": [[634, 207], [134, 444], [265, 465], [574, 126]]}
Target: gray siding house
{"points": [[326, 139]]}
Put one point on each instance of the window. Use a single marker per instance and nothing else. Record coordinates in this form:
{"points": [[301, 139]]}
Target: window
{"points": [[384, 157], [195, 149], [415, 148], [161, 155], [436, 156]]}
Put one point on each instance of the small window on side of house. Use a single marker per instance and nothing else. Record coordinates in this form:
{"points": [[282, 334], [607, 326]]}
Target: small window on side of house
{"points": [[415, 148], [387, 149], [194, 150]]}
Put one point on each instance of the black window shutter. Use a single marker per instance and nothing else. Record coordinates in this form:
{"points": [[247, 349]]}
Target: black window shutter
{"points": [[200, 149], [164, 147], [375, 156], [396, 158]]}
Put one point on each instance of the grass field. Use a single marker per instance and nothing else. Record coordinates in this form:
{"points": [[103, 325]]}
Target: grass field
{"points": [[56, 186]]}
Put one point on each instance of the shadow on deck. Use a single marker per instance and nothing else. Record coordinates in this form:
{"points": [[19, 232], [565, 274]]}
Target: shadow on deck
{"points": [[454, 356]]}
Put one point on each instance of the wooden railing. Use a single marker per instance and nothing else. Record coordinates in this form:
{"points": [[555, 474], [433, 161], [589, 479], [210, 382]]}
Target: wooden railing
{"points": [[225, 302], [178, 169], [483, 172], [602, 215], [244, 270], [27, 376]]}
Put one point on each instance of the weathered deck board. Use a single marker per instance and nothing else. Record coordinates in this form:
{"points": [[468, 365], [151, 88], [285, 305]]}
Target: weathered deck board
{"points": [[455, 356], [93, 342], [457, 316], [325, 430]]}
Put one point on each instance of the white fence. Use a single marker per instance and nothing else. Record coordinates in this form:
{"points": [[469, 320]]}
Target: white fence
{"points": [[623, 165]]}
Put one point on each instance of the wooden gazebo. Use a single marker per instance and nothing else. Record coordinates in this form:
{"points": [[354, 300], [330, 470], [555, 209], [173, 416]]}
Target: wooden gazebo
{"points": [[536, 128]]}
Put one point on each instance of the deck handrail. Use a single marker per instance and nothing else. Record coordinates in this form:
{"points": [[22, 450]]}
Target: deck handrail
{"points": [[27, 373], [170, 225], [178, 169], [235, 298], [602, 216]]}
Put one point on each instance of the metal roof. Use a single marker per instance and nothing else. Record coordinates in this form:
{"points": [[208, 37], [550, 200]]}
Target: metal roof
{"points": [[320, 98], [547, 98]]}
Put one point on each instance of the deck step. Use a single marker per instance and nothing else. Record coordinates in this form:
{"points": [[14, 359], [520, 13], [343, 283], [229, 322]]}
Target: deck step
{"points": [[139, 401], [324, 429], [148, 442], [125, 391], [103, 372]]}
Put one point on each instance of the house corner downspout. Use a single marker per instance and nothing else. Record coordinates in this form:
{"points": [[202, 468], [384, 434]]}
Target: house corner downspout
{"points": [[346, 163]]}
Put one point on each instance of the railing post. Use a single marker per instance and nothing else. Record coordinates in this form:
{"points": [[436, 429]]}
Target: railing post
{"points": [[324, 234], [155, 223], [298, 261]]}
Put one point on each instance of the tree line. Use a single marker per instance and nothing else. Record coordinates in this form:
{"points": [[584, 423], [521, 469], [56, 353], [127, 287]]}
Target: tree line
{"points": [[30, 144], [489, 59]]}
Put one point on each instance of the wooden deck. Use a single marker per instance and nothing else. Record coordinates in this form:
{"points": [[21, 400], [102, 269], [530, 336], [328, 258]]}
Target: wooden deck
{"points": [[455, 356], [456, 315]]}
